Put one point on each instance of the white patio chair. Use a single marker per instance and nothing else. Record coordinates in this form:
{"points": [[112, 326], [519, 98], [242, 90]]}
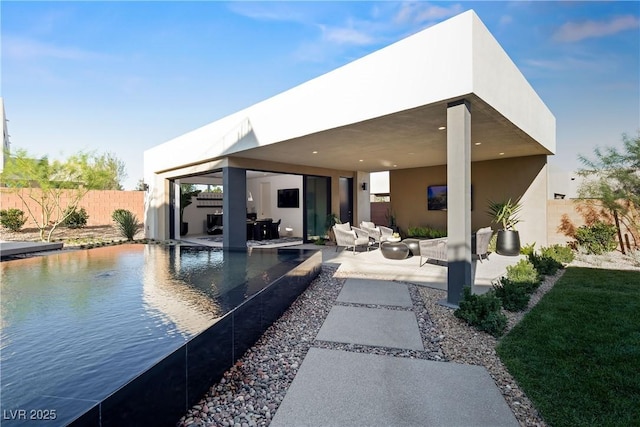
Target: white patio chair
{"points": [[483, 237], [351, 238], [379, 233]]}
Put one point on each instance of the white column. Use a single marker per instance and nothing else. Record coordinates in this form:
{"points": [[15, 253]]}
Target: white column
{"points": [[458, 200]]}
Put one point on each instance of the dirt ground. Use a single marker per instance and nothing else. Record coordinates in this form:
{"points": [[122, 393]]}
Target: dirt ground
{"points": [[70, 236]]}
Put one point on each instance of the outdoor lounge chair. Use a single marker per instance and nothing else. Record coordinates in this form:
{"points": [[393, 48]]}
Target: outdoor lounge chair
{"points": [[436, 249], [379, 233], [350, 238], [483, 237]]}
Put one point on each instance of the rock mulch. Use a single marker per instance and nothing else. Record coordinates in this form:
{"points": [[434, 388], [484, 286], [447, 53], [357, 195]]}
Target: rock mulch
{"points": [[251, 391]]}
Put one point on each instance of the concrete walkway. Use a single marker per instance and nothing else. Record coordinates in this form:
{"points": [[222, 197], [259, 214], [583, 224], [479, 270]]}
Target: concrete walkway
{"points": [[341, 388]]}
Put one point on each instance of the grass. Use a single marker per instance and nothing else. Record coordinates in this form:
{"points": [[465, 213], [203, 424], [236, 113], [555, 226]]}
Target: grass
{"points": [[577, 353]]}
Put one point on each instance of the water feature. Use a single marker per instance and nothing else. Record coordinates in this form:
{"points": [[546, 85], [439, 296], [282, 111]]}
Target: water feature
{"points": [[78, 326]]}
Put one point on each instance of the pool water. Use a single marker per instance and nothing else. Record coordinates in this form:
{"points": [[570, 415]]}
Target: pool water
{"points": [[76, 326]]}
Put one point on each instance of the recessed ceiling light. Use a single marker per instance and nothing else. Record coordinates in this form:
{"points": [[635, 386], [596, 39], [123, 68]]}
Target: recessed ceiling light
{"points": [[478, 143], [442, 128], [314, 152], [502, 154], [411, 154], [361, 160], [395, 166]]}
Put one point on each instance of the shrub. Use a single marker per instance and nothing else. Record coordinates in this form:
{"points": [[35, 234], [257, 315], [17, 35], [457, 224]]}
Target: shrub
{"points": [[428, 232], [482, 312], [515, 296], [76, 218], [525, 273], [528, 249], [545, 265], [13, 219], [597, 238], [126, 222], [560, 253]]}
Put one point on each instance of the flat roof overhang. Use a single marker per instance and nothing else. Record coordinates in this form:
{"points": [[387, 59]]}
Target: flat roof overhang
{"points": [[407, 139], [384, 111]]}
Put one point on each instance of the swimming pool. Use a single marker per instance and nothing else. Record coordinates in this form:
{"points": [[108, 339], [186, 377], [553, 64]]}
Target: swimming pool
{"points": [[82, 333]]}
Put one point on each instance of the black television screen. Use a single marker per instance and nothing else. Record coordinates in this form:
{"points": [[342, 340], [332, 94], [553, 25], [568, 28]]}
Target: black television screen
{"points": [[289, 198], [437, 197]]}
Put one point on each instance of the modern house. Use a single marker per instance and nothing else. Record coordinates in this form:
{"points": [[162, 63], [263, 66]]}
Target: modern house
{"points": [[444, 108]]}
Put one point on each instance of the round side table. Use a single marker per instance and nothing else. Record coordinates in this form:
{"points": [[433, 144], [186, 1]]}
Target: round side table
{"points": [[394, 250]]}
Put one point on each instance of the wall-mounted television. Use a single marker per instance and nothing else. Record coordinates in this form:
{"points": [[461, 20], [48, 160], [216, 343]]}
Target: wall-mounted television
{"points": [[437, 198], [289, 198]]}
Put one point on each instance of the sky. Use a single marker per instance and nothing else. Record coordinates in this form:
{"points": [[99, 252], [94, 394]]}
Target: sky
{"points": [[122, 77]]}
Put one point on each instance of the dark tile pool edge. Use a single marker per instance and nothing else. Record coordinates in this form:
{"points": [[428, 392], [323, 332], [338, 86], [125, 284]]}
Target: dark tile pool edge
{"points": [[164, 393]]}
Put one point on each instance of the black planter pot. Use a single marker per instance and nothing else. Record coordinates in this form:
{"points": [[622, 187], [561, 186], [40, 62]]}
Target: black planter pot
{"points": [[184, 228], [508, 243]]}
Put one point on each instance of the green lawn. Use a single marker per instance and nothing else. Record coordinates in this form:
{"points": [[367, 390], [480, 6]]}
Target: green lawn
{"points": [[577, 353]]}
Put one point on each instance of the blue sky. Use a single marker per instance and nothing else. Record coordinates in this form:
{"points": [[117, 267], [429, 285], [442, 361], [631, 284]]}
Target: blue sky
{"points": [[122, 77]]}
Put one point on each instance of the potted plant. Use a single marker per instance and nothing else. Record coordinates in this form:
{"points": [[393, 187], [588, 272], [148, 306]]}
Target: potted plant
{"points": [[506, 215], [187, 191], [331, 220]]}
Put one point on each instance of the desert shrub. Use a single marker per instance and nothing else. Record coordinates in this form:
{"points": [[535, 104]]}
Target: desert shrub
{"points": [[428, 232], [545, 265], [482, 312], [13, 219], [524, 272], [77, 218], [514, 296], [597, 238], [126, 222], [528, 249], [560, 253]]}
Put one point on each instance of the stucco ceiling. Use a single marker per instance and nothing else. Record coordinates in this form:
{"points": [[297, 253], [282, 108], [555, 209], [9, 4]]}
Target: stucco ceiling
{"points": [[406, 139]]}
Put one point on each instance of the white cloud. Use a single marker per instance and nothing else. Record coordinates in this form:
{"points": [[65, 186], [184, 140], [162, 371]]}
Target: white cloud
{"points": [[347, 36], [576, 31], [420, 12], [27, 49]]}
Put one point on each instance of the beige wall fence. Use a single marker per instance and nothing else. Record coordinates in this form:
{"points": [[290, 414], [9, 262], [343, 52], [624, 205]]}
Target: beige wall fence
{"points": [[565, 215], [99, 204]]}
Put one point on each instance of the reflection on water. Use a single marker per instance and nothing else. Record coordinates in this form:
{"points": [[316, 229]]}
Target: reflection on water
{"points": [[81, 324]]}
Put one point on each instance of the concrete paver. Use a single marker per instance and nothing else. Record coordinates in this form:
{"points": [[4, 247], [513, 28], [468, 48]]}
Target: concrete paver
{"points": [[373, 327], [340, 388], [378, 292]]}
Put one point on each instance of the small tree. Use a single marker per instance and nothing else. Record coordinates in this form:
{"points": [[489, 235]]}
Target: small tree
{"points": [[613, 178], [56, 187]]}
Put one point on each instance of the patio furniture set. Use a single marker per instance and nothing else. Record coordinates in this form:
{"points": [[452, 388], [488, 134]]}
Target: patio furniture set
{"points": [[368, 235]]}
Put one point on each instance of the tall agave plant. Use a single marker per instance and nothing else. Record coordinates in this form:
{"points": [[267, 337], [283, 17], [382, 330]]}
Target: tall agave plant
{"points": [[505, 213]]}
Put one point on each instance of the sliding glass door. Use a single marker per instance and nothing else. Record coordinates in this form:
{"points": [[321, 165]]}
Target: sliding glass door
{"points": [[317, 191]]}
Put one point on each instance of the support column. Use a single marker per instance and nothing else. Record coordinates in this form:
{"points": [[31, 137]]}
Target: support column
{"points": [[458, 200], [234, 208]]}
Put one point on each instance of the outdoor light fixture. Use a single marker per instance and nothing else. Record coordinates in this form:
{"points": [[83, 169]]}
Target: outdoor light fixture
{"points": [[363, 186]]}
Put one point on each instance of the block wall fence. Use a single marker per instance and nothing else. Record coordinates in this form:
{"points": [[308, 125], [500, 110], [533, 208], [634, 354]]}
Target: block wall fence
{"points": [[99, 204]]}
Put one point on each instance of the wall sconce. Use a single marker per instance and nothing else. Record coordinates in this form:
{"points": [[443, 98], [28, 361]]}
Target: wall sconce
{"points": [[363, 186], [250, 198]]}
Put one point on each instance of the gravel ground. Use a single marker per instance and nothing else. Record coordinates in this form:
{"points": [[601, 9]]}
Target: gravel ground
{"points": [[251, 391]]}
